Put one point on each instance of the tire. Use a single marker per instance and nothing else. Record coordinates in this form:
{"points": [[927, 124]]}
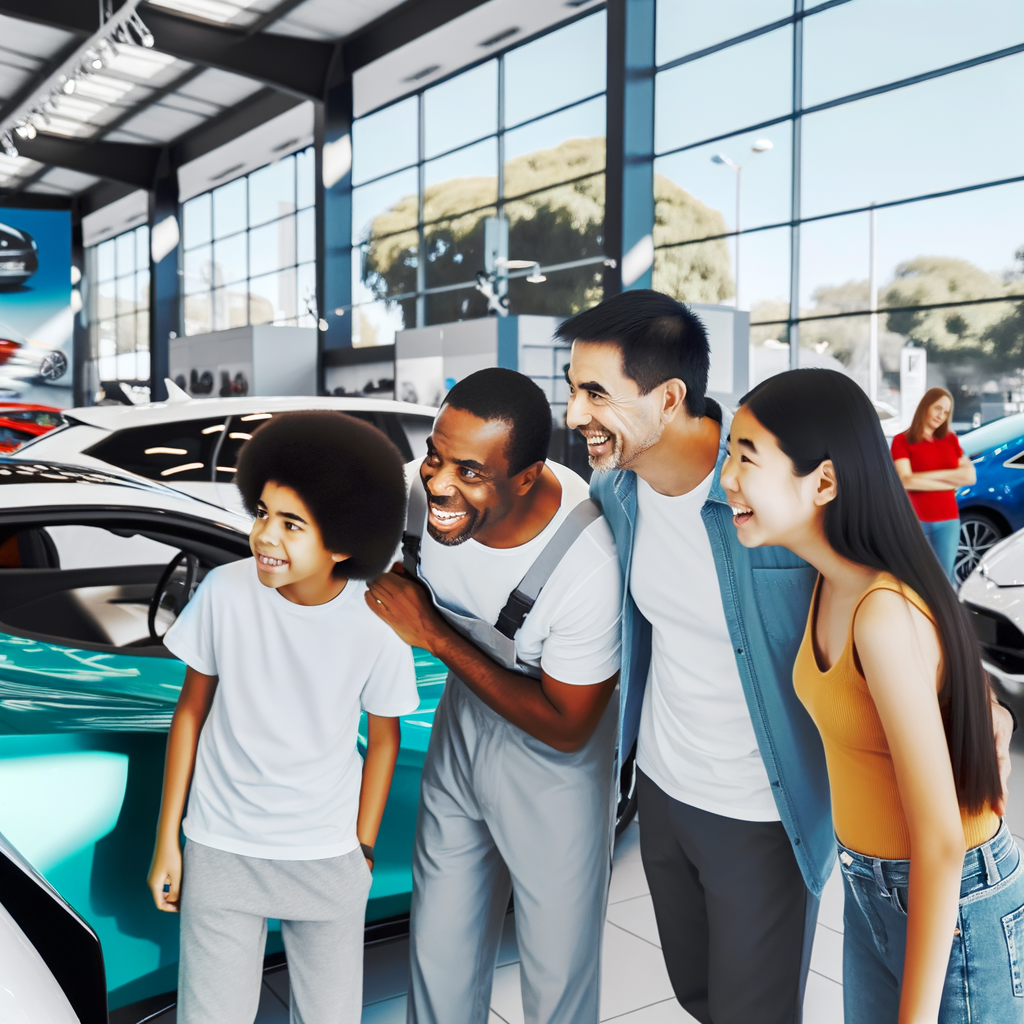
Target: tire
{"points": [[978, 533], [625, 810]]}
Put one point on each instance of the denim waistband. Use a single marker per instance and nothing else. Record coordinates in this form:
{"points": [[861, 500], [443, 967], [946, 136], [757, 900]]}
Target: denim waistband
{"points": [[984, 866]]}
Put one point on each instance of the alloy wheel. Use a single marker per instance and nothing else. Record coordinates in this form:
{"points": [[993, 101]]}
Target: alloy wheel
{"points": [[977, 535]]}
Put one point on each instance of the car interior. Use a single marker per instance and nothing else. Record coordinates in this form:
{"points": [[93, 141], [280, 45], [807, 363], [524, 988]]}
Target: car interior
{"points": [[106, 580]]}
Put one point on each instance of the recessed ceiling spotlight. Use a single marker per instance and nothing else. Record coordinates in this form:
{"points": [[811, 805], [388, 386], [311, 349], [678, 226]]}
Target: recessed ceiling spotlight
{"points": [[500, 37], [68, 87], [94, 60], [423, 72]]}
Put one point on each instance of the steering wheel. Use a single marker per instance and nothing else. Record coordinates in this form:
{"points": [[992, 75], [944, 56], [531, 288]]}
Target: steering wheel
{"points": [[177, 585]]}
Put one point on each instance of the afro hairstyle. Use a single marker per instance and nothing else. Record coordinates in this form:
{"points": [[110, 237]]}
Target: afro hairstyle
{"points": [[347, 472]]}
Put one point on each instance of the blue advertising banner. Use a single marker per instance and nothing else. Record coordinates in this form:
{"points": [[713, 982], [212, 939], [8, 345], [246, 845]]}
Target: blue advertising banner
{"points": [[36, 319]]}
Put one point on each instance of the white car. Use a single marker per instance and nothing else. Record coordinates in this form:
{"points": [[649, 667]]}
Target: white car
{"points": [[192, 444], [51, 966], [994, 596]]}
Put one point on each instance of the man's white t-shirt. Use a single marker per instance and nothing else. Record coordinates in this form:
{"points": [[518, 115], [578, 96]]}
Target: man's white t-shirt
{"points": [[277, 771], [697, 742], [573, 631]]}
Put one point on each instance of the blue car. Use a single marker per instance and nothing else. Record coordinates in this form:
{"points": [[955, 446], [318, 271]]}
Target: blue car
{"points": [[993, 506]]}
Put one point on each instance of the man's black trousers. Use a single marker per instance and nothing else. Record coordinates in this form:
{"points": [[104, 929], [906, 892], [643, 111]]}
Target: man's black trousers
{"points": [[735, 918]]}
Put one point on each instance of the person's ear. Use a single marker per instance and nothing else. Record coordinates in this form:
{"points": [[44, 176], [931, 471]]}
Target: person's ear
{"points": [[673, 399], [528, 477], [825, 486], [337, 556]]}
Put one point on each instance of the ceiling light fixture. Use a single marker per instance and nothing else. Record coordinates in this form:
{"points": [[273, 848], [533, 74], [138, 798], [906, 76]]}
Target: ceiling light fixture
{"points": [[536, 277], [26, 130], [68, 86], [8, 143], [500, 37]]}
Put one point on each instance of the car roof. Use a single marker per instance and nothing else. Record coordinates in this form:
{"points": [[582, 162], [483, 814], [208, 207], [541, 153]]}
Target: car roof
{"points": [[35, 484], [117, 417]]}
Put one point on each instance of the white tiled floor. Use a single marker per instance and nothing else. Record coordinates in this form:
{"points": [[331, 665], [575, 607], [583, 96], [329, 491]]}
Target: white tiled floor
{"points": [[635, 987]]}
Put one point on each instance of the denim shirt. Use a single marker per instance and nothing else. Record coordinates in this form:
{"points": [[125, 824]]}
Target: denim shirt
{"points": [[766, 593]]}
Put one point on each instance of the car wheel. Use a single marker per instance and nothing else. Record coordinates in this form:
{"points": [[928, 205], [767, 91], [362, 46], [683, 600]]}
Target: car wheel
{"points": [[978, 532], [625, 811]]}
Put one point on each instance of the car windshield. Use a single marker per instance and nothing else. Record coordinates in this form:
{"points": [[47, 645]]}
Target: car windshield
{"points": [[974, 442]]}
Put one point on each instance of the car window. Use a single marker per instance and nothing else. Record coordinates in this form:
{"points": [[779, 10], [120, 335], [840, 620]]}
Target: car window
{"points": [[171, 452], [999, 432], [417, 429], [92, 547], [239, 430]]}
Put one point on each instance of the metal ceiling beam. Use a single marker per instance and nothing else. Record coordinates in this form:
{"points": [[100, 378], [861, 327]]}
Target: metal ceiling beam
{"points": [[402, 25], [71, 15], [298, 66], [118, 161]]}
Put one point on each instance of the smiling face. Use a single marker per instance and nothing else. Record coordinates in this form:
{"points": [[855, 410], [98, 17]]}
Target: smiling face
{"points": [[937, 414], [770, 503], [465, 475], [287, 544], [606, 407]]}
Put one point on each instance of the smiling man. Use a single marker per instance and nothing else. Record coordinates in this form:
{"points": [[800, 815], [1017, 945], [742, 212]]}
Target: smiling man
{"points": [[735, 828], [521, 602]]}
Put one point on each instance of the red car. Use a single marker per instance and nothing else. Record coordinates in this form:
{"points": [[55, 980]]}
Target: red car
{"points": [[20, 423]]}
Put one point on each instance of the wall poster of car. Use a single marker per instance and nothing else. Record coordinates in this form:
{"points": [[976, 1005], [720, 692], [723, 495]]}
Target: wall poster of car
{"points": [[36, 314]]}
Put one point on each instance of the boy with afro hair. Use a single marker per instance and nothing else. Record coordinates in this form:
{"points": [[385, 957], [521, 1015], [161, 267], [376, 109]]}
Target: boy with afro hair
{"points": [[283, 654]]}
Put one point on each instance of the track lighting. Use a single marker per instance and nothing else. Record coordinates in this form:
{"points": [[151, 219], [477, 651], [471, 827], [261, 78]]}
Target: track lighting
{"points": [[26, 130], [68, 87], [8, 144], [94, 60], [139, 26]]}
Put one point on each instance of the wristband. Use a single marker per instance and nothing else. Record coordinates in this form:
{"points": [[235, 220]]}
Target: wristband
{"points": [[368, 850], [1003, 704]]}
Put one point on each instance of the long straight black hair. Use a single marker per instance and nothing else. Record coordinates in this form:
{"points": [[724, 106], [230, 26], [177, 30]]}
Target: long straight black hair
{"points": [[821, 414]]}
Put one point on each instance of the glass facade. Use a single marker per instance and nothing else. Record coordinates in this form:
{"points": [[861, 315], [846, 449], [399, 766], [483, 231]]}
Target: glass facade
{"points": [[520, 137], [249, 250], [797, 147], [118, 306]]}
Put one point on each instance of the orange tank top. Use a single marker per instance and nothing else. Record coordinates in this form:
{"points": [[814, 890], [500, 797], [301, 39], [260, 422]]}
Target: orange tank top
{"points": [[866, 808]]}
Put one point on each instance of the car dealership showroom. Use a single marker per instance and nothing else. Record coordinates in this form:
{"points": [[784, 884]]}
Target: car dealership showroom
{"points": [[225, 218]]}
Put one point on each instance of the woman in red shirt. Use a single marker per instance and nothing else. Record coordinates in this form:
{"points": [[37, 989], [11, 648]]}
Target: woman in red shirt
{"points": [[932, 465]]}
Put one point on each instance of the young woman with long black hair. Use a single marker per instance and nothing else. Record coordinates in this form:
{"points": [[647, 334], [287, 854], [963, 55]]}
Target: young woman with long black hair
{"points": [[890, 672]]}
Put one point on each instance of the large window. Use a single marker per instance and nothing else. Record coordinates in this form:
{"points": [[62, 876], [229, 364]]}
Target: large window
{"points": [[806, 153], [249, 250], [118, 274], [517, 141]]}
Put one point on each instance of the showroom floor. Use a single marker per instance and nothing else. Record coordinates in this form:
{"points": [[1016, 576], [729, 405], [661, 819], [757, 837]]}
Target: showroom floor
{"points": [[636, 989]]}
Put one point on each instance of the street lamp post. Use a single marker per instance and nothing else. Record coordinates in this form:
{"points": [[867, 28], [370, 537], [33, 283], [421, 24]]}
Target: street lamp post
{"points": [[760, 146]]}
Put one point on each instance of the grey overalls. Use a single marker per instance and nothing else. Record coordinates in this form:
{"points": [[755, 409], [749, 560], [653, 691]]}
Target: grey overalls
{"points": [[500, 812]]}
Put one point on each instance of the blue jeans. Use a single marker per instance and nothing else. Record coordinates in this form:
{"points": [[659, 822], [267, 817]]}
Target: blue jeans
{"points": [[944, 537], [985, 976]]}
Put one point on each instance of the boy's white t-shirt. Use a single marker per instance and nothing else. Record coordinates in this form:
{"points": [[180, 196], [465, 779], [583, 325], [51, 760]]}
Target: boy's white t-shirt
{"points": [[573, 630], [277, 771]]}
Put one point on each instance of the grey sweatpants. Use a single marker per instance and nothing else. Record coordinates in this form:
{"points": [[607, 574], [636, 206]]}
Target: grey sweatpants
{"points": [[502, 812], [226, 899]]}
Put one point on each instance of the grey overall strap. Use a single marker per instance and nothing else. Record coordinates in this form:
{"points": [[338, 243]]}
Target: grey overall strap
{"points": [[522, 599], [417, 512]]}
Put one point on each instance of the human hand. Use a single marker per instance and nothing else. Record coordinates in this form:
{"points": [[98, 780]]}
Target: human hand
{"points": [[1002, 727], [406, 607], [165, 877]]}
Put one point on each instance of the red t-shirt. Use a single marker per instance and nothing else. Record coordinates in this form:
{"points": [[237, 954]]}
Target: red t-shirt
{"points": [[931, 506]]}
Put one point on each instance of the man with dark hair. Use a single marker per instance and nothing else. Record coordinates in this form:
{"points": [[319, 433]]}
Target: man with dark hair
{"points": [[735, 821], [520, 599], [282, 658]]}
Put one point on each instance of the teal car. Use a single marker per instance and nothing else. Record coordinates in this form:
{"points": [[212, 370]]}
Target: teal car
{"points": [[94, 567]]}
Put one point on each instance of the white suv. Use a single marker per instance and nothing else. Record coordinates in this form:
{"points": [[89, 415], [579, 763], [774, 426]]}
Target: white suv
{"points": [[193, 444]]}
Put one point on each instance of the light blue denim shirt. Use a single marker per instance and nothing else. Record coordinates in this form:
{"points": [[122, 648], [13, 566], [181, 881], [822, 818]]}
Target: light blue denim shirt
{"points": [[766, 593]]}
